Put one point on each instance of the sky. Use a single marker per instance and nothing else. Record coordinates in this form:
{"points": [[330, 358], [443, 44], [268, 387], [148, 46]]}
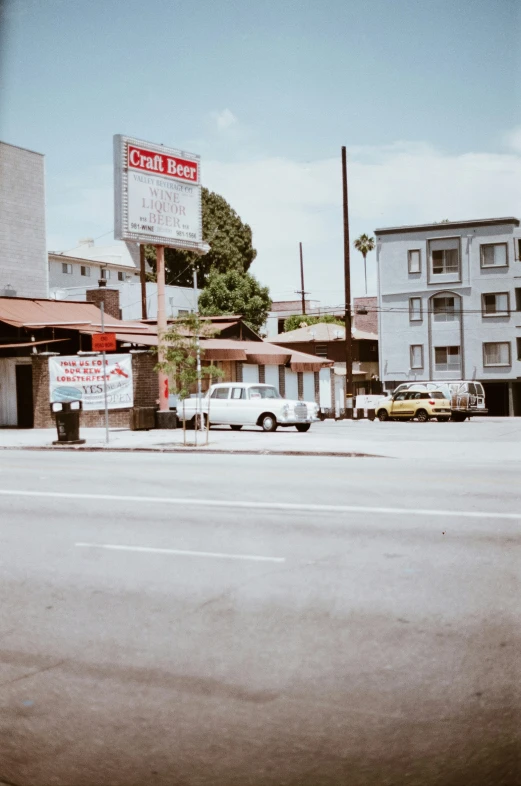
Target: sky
{"points": [[424, 94]]}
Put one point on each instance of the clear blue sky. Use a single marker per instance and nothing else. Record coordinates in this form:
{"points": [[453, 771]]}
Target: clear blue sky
{"points": [[298, 79]]}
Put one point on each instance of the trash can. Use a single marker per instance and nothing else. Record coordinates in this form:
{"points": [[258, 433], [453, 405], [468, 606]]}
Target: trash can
{"points": [[67, 416]]}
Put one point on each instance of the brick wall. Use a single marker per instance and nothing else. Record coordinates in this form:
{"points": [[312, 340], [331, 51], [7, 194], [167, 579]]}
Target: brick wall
{"points": [[366, 322], [145, 393], [282, 380], [300, 385], [105, 295]]}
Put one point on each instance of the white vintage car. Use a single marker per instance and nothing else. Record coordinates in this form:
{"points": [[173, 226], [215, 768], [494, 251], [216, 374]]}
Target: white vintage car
{"points": [[239, 404]]}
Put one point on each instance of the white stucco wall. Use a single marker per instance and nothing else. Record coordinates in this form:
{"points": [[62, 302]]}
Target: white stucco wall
{"points": [[23, 253]]}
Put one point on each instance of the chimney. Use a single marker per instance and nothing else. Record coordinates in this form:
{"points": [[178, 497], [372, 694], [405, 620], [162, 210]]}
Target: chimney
{"points": [[103, 294]]}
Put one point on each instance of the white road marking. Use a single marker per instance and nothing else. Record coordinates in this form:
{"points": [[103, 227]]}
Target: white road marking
{"points": [[277, 506], [179, 552]]}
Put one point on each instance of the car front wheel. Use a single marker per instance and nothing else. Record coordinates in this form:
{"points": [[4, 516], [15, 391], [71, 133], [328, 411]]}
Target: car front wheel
{"points": [[268, 423], [303, 426], [422, 416], [383, 415]]}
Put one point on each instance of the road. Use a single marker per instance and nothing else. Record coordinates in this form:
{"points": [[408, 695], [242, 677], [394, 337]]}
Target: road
{"points": [[231, 620]]}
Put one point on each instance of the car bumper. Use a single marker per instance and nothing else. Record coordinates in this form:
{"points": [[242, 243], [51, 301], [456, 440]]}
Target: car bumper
{"points": [[293, 421]]}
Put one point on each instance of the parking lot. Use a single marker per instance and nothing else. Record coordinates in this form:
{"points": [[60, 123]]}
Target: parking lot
{"points": [[476, 440]]}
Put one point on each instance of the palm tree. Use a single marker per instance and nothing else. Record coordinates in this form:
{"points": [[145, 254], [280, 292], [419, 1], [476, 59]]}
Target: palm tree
{"points": [[364, 244]]}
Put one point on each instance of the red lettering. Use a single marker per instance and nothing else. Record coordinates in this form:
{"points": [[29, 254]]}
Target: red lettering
{"points": [[162, 163]]}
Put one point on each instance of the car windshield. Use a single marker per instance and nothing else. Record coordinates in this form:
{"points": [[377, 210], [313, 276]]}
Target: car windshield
{"points": [[264, 392]]}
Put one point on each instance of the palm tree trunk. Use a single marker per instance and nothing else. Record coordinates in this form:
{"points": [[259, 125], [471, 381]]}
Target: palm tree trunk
{"points": [[365, 272]]}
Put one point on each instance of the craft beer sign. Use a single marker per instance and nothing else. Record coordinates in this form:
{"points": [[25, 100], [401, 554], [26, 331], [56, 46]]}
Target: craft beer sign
{"points": [[157, 195]]}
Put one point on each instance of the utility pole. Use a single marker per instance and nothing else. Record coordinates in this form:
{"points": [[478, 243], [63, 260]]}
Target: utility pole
{"points": [[347, 284], [199, 421], [143, 280], [302, 291]]}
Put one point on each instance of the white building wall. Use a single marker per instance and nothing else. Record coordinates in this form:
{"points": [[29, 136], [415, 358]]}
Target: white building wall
{"points": [[250, 372], [324, 386], [23, 253], [8, 406], [291, 384], [271, 375], [309, 386]]}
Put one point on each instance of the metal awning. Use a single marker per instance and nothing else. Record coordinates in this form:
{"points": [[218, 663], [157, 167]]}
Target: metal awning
{"points": [[33, 343]]}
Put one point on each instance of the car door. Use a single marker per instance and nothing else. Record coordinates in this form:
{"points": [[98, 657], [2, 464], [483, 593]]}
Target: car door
{"points": [[410, 403], [219, 404], [397, 404], [237, 405]]}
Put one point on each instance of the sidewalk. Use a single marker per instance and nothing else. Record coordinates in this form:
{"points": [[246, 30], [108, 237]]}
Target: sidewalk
{"points": [[480, 440]]}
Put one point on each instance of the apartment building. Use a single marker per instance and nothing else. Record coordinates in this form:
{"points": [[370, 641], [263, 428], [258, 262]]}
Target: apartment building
{"points": [[71, 274], [449, 306]]}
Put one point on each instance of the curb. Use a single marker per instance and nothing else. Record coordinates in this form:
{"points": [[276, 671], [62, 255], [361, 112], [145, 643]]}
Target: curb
{"points": [[211, 451]]}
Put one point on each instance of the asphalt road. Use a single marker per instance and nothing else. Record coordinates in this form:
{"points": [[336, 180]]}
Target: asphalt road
{"points": [[205, 619]]}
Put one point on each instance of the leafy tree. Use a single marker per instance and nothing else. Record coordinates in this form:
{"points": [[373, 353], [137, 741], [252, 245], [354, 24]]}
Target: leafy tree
{"points": [[364, 244], [230, 240], [235, 292], [178, 357], [178, 351], [297, 320]]}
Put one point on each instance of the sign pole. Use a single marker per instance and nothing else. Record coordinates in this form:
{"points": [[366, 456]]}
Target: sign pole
{"points": [[198, 345], [161, 327], [102, 309], [143, 281]]}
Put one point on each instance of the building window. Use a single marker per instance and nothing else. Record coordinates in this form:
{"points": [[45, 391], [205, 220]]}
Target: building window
{"points": [[494, 255], [518, 341], [67, 268], [495, 304], [417, 356], [517, 241], [444, 308], [445, 261], [518, 299], [415, 309], [104, 274], [414, 260], [121, 276], [321, 350], [447, 359], [85, 271], [496, 353], [182, 312]]}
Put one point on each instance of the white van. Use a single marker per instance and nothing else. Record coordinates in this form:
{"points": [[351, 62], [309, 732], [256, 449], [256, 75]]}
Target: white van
{"points": [[466, 396]]}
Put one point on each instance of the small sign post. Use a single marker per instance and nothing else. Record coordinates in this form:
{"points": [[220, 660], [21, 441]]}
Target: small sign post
{"points": [[104, 342], [102, 308]]}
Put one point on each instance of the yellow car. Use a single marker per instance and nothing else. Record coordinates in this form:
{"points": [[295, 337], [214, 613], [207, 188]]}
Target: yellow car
{"points": [[418, 403]]}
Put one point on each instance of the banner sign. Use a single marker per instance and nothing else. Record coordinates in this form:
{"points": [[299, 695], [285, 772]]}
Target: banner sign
{"points": [[157, 195], [81, 377]]}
